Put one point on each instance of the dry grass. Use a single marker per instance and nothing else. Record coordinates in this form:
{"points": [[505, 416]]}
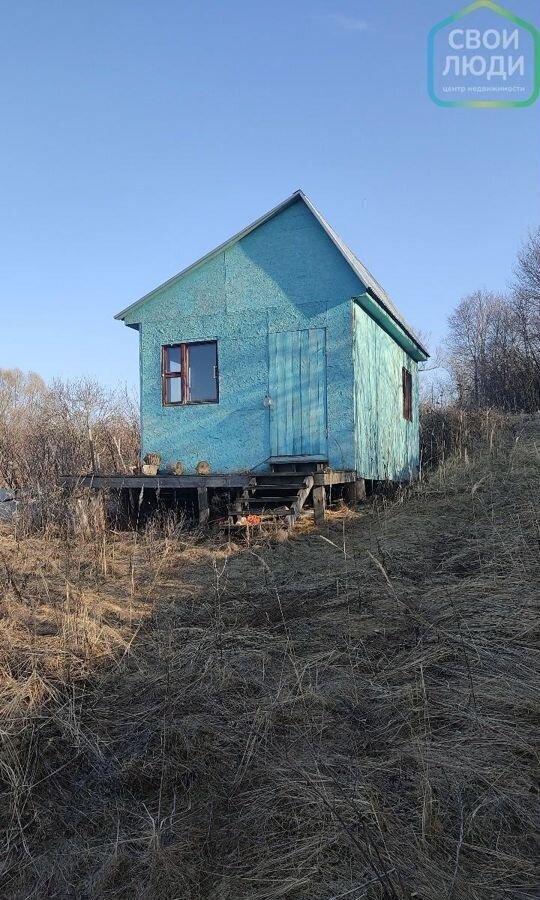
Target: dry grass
{"points": [[352, 714], [448, 431]]}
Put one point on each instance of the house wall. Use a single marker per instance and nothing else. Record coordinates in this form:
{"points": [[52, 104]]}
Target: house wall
{"points": [[387, 445], [285, 275]]}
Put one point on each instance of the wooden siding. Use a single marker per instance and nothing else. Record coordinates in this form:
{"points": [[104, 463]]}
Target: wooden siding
{"points": [[387, 444]]}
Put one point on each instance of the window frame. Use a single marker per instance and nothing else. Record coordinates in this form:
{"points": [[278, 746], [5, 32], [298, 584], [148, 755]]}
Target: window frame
{"points": [[182, 375], [406, 387]]}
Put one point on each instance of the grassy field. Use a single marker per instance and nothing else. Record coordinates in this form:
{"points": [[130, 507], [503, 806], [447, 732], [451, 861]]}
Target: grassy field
{"points": [[352, 713]]}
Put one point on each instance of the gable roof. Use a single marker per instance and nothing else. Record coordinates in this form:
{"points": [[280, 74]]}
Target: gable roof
{"points": [[371, 284]]}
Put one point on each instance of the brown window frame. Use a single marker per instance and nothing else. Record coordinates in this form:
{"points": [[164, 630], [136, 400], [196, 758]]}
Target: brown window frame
{"points": [[183, 374], [406, 386]]}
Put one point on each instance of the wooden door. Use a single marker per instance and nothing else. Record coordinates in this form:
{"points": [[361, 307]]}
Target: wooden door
{"points": [[297, 389]]}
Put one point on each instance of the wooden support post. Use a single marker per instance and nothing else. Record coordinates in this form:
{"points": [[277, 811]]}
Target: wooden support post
{"points": [[355, 491], [204, 509], [236, 505], [360, 490], [124, 508], [319, 504], [133, 507]]}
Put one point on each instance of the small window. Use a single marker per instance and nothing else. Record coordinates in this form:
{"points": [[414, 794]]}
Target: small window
{"points": [[406, 379], [189, 373]]}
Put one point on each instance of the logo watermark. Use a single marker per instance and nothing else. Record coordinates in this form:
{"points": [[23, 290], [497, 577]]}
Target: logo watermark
{"points": [[484, 56]]}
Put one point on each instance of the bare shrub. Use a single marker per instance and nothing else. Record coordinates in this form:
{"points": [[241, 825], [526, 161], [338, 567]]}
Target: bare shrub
{"points": [[447, 431], [66, 428], [76, 512]]}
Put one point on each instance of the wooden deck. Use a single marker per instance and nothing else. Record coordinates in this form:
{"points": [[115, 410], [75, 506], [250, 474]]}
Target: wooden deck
{"points": [[157, 482], [273, 494], [183, 482]]}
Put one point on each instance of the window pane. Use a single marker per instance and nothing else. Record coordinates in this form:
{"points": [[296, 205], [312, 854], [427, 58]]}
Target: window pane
{"points": [[173, 359], [202, 369], [173, 390]]}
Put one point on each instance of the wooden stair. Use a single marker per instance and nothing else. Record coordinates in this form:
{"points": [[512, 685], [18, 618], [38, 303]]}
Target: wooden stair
{"points": [[273, 496]]}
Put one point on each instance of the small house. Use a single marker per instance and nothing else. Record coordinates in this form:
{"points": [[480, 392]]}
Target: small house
{"points": [[279, 345]]}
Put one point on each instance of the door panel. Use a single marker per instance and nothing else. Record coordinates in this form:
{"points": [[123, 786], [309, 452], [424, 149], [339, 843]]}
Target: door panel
{"points": [[297, 386]]}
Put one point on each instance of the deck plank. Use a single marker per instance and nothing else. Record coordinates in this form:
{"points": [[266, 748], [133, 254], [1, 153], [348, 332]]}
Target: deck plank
{"points": [[159, 482]]}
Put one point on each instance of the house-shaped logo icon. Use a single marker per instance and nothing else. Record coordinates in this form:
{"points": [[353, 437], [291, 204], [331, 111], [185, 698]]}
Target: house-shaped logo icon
{"points": [[484, 56]]}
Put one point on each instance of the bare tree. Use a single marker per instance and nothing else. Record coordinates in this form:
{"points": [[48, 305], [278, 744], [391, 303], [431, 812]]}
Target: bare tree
{"points": [[526, 303], [494, 342], [68, 427], [475, 330]]}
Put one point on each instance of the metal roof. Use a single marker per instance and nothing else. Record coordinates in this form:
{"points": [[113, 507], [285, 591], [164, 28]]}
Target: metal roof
{"points": [[365, 276]]}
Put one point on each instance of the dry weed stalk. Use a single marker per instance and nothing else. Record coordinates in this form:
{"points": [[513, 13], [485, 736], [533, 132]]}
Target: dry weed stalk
{"points": [[346, 718]]}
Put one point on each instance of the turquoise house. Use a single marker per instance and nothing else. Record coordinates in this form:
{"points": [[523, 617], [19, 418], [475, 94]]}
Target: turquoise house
{"points": [[279, 343]]}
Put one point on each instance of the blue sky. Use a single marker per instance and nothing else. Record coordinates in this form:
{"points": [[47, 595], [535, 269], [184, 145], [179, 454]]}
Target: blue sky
{"points": [[137, 135]]}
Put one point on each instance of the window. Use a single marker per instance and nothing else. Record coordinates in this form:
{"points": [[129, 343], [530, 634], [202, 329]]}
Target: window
{"points": [[406, 380], [189, 373]]}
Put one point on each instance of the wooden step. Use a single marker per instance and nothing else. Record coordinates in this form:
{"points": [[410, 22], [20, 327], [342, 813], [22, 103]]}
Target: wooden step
{"points": [[283, 486], [303, 469], [262, 511], [281, 460], [250, 502], [288, 498], [268, 511], [280, 495], [299, 464], [277, 477]]}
